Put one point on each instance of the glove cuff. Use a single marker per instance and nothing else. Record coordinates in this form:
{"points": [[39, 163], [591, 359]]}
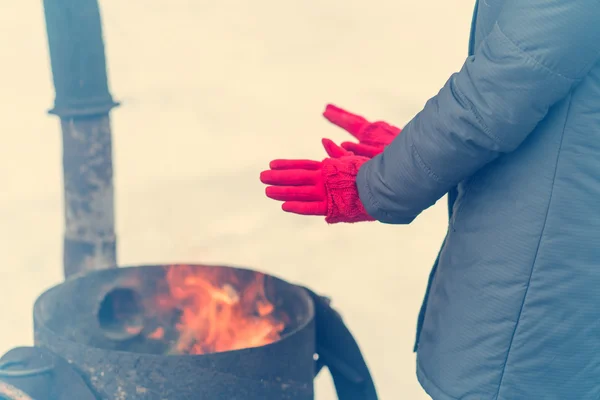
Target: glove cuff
{"points": [[343, 202]]}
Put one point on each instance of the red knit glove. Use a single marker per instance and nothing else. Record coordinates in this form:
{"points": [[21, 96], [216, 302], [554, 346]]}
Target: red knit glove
{"points": [[372, 137], [325, 188]]}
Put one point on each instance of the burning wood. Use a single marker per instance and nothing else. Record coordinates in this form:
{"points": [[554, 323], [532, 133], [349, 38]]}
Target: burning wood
{"points": [[216, 312]]}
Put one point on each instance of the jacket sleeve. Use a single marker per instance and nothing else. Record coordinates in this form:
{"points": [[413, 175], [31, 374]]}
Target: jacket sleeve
{"points": [[536, 52]]}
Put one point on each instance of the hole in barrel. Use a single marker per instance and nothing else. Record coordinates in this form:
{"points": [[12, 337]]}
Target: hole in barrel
{"points": [[120, 315]]}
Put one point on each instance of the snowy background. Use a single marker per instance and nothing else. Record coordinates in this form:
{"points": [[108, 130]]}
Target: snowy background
{"points": [[212, 92]]}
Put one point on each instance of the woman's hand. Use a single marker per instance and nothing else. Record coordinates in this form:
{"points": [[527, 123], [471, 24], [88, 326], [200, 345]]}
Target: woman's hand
{"points": [[372, 136], [326, 188]]}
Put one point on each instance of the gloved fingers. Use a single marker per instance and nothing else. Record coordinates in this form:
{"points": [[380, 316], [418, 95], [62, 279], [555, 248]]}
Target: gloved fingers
{"points": [[362, 149], [291, 177], [351, 123], [295, 164], [333, 150], [378, 133], [295, 193], [305, 208]]}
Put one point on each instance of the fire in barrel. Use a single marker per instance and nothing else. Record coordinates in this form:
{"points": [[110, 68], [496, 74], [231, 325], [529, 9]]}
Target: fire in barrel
{"points": [[195, 311]]}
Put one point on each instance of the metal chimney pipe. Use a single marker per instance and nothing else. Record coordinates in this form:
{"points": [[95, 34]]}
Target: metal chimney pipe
{"points": [[83, 103]]}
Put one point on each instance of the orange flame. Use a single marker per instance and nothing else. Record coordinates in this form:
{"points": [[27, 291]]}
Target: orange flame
{"points": [[218, 312]]}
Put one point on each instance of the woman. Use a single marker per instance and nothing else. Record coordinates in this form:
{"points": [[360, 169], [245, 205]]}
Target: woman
{"points": [[513, 305]]}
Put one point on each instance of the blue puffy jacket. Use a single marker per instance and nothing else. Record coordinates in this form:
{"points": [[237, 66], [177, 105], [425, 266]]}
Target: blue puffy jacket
{"points": [[513, 305]]}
